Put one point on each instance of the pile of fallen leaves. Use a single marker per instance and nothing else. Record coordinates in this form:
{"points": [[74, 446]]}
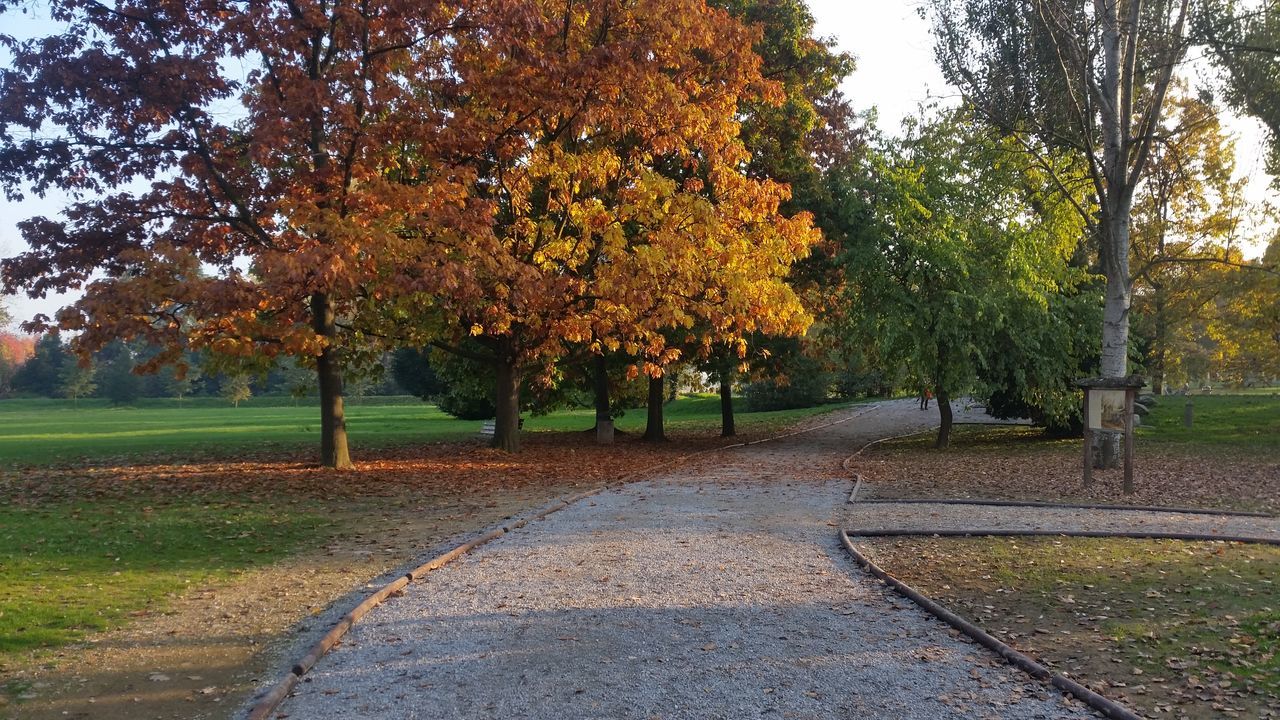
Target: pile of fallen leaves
{"points": [[1172, 629], [1016, 463]]}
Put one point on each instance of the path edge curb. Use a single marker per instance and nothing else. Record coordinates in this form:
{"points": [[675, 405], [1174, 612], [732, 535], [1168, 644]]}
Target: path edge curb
{"points": [[1102, 704], [1052, 505]]}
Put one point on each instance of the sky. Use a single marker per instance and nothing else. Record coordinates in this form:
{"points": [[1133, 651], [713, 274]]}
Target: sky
{"points": [[895, 74]]}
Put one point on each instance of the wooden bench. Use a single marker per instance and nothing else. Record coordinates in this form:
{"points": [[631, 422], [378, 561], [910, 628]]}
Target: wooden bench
{"points": [[487, 429]]}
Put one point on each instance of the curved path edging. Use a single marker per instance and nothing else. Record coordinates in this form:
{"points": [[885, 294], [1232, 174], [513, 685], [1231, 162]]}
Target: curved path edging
{"points": [[1140, 535], [1053, 505], [273, 697], [270, 700], [1101, 703], [858, 482]]}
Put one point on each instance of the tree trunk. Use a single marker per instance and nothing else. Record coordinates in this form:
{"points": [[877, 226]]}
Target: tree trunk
{"points": [[604, 418], [1115, 328], [726, 400], [1160, 351], [600, 383], [506, 426], [944, 416], [333, 423], [1115, 317], [653, 430]]}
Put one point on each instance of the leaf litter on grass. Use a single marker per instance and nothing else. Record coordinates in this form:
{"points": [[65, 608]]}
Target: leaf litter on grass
{"points": [[1174, 629], [1018, 463]]}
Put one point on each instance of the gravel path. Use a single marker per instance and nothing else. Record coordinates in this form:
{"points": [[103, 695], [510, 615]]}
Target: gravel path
{"points": [[717, 590]]}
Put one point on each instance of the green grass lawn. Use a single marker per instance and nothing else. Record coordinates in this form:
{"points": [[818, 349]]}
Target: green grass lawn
{"points": [[1244, 422], [40, 432], [67, 569], [43, 432], [1193, 624]]}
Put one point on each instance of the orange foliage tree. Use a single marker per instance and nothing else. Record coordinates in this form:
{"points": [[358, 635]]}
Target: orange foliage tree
{"points": [[604, 144], [537, 174], [230, 169]]}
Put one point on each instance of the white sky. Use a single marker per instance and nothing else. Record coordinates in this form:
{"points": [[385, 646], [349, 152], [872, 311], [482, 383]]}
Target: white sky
{"points": [[896, 73]]}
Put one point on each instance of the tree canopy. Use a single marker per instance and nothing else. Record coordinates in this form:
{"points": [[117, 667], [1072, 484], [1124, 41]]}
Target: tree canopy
{"points": [[526, 172], [1089, 78], [1244, 41], [958, 266]]}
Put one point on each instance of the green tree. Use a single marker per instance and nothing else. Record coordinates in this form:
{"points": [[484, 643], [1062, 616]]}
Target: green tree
{"points": [[76, 381], [180, 382], [40, 374], [115, 377], [1244, 42], [957, 247], [411, 368], [1089, 79]]}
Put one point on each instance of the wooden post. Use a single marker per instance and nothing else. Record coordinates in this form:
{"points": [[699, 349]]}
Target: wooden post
{"points": [[1128, 440], [1088, 443], [1188, 413]]}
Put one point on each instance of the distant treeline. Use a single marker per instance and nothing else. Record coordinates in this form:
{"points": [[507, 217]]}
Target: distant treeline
{"points": [[51, 369]]}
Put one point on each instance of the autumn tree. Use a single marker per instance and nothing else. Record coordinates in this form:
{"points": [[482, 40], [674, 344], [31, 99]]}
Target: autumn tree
{"points": [[1087, 77], [1246, 327], [793, 141], [9, 360], [184, 169], [236, 389], [1187, 215], [606, 156]]}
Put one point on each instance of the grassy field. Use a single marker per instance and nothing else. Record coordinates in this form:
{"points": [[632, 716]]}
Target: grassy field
{"points": [[43, 432], [1241, 421], [39, 432], [67, 569]]}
